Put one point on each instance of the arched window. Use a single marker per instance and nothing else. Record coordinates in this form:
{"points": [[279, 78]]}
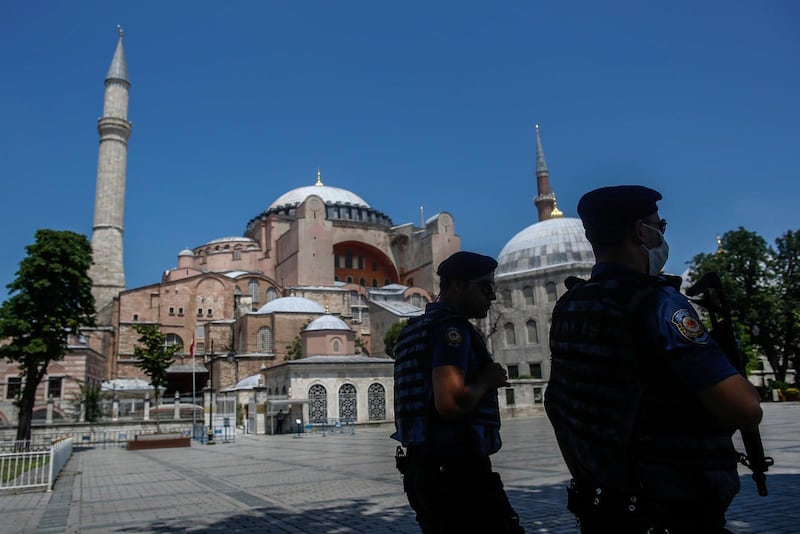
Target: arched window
{"points": [[376, 400], [253, 287], [173, 339], [362, 282], [532, 331], [527, 292], [506, 296], [550, 287], [317, 403], [347, 402], [265, 339], [271, 294], [511, 335], [336, 345]]}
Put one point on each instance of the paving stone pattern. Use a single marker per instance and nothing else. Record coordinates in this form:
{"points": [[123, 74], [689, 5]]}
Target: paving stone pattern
{"points": [[339, 484]]}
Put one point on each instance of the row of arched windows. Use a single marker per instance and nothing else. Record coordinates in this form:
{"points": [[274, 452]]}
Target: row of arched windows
{"points": [[528, 295], [254, 291], [348, 402], [531, 333]]}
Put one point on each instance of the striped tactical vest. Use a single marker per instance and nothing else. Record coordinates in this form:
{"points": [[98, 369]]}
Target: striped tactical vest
{"points": [[416, 418], [620, 421]]}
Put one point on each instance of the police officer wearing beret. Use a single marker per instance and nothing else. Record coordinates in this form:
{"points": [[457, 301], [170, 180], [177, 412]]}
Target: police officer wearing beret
{"points": [[446, 410], [642, 399]]}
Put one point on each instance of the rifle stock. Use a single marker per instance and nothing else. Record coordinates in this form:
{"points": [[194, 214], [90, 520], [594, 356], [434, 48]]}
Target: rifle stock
{"points": [[712, 298]]}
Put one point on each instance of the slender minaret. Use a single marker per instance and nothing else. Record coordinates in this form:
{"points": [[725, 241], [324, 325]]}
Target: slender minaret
{"points": [[107, 273], [545, 200]]}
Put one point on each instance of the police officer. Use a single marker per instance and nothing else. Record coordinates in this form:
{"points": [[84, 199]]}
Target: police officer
{"points": [[446, 410], [642, 400]]}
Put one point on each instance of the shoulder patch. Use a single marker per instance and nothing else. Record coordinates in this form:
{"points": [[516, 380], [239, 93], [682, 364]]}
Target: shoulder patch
{"points": [[689, 327], [453, 336]]}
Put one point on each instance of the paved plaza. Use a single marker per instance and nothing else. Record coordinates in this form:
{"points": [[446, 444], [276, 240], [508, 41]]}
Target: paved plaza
{"points": [[339, 483]]}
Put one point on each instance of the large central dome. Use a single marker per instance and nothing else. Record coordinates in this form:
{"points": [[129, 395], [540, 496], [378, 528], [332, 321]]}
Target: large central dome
{"points": [[548, 243], [328, 194]]}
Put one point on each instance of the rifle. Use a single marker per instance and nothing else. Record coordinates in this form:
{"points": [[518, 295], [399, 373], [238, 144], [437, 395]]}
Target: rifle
{"points": [[712, 298]]}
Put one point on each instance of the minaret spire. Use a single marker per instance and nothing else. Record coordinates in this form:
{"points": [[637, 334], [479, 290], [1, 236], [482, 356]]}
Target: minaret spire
{"points": [[545, 200], [107, 272]]}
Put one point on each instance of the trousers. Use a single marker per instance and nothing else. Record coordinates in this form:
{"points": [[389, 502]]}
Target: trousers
{"points": [[457, 495], [600, 510]]}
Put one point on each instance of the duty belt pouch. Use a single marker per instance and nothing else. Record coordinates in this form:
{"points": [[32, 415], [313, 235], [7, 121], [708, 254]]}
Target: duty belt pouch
{"points": [[401, 460]]}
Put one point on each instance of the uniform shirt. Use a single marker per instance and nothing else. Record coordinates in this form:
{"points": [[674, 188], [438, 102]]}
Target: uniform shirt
{"points": [[688, 352], [453, 342]]}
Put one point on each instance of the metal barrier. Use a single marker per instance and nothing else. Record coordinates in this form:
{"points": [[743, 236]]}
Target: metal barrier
{"points": [[24, 465]]}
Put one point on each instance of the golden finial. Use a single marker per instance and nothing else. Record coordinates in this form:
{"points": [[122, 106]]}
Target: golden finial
{"points": [[119, 29], [556, 213], [319, 178], [720, 250]]}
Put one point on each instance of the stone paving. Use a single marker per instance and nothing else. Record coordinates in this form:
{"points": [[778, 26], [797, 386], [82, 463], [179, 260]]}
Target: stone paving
{"points": [[339, 483]]}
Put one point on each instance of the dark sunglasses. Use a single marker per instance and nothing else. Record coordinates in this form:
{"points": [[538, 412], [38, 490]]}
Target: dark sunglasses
{"points": [[487, 287], [662, 225]]}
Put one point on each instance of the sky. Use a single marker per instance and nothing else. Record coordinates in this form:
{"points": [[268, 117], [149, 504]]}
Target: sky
{"points": [[407, 104]]}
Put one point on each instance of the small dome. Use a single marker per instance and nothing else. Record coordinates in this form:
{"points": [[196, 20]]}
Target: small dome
{"points": [[548, 243], [327, 322], [186, 252], [291, 305], [328, 194]]}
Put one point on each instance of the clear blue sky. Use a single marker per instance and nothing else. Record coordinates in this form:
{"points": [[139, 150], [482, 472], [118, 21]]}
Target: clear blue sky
{"points": [[407, 104]]}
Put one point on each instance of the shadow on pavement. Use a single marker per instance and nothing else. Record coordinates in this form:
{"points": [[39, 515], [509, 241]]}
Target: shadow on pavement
{"points": [[541, 509]]}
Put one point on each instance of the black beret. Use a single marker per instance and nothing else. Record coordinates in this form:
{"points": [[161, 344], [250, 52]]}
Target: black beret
{"points": [[466, 266], [616, 206]]}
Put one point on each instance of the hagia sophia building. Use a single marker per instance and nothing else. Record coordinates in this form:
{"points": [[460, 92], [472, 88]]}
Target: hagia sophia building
{"points": [[291, 315]]}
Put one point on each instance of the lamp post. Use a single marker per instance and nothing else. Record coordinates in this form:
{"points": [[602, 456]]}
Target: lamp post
{"points": [[211, 395]]}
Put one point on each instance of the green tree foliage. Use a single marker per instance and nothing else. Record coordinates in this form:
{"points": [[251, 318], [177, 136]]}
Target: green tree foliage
{"points": [[390, 337], [91, 395], [294, 351], [154, 356], [762, 286], [49, 299]]}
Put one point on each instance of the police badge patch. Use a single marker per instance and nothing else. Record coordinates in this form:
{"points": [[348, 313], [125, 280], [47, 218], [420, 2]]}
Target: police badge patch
{"points": [[689, 326], [453, 336]]}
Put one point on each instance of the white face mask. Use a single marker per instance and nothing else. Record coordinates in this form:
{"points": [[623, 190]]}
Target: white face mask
{"points": [[657, 256]]}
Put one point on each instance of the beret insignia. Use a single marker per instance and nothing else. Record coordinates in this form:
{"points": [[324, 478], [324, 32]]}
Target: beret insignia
{"points": [[689, 327], [453, 336]]}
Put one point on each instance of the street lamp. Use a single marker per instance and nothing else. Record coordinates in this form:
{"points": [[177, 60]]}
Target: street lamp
{"points": [[211, 395]]}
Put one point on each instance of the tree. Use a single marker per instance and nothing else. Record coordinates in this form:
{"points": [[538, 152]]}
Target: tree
{"points": [[154, 356], [762, 286], [390, 337], [294, 351], [50, 298]]}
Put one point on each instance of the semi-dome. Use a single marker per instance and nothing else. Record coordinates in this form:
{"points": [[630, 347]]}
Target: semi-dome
{"points": [[327, 322], [291, 305], [546, 244]]}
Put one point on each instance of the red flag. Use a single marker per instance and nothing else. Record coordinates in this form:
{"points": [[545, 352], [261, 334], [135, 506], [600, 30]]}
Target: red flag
{"points": [[191, 348]]}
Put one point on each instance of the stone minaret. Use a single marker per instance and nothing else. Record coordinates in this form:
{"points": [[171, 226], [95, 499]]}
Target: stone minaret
{"points": [[545, 200], [107, 273]]}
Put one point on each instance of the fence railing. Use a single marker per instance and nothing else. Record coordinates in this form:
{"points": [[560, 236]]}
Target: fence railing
{"points": [[25, 465]]}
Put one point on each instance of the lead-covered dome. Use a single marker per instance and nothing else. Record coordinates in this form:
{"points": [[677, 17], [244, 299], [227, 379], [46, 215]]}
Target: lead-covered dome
{"points": [[549, 243], [327, 322], [328, 194]]}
